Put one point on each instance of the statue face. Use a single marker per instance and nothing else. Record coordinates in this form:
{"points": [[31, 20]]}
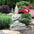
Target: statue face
{"points": [[16, 16]]}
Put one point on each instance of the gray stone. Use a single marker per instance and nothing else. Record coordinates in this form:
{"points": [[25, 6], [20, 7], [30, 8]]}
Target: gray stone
{"points": [[1, 32], [17, 26]]}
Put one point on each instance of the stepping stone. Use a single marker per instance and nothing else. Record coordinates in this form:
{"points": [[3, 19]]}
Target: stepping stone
{"points": [[1, 32], [10, 32]]}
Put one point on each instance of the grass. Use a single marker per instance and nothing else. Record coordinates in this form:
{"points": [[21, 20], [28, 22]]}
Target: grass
{"points": [[5, 21]]}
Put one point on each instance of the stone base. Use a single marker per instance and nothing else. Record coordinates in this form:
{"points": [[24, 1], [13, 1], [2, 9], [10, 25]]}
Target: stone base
{"points": [[17, 26]]}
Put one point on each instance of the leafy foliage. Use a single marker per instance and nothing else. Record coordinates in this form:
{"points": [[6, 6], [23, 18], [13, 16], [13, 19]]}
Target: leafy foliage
{"points": [[24, 3], [5, 21], [5, 9], [25, 21], [26, 15], [25, 18], [12, 3]]}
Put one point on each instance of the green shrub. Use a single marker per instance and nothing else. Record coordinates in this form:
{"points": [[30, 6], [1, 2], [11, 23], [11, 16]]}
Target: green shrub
{"points": [[10, 3], [33, 4], [25, 18], [5, 21], [24, 3], [26, 15], [25, 21]]}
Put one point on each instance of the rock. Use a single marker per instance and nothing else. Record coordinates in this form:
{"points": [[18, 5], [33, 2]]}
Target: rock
{"points": [[17, 26], [1, 32], [10, 32]]}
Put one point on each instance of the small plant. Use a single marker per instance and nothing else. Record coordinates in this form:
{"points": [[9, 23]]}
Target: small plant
{"points": [[26, 15], [5, 9], [25, 21], [25, 18]]}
